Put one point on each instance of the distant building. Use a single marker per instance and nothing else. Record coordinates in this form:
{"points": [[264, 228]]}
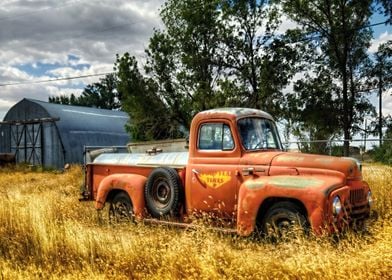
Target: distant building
{"points": [[52, 135]]}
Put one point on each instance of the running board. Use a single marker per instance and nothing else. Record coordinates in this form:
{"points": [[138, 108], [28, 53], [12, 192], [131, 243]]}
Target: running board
{"points": [[187, 226]]}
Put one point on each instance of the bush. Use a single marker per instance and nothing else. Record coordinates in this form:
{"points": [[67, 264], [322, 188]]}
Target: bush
{"points": [[383, 153]]}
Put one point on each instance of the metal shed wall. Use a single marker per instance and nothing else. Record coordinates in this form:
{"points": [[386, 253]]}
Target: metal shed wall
{"points": [[63, 140]]}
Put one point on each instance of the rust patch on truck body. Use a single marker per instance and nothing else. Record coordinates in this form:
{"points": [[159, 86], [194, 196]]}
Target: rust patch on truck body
{"points": [[233, 184]]}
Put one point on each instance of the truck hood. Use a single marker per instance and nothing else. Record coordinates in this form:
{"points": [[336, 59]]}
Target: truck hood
{"points": [[348, 166]]}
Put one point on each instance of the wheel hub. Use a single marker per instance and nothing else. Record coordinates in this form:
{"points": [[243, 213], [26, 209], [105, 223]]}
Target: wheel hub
{"points": [[163, 193]]}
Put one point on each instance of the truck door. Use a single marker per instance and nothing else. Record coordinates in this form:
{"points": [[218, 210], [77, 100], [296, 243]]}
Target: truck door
{"points": [[212, 181]]}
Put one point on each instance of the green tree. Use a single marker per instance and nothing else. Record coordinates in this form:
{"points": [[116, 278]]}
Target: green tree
{"points": [[183, 63], [340, 31], [103, 95], [148, 118], [382, 77], [192, 28], [308, 122], [258, 65], [217, 53], [387, 9], [383, 153], [63, 99]]}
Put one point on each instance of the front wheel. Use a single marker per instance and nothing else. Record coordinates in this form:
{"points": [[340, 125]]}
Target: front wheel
{"points": [[284, 220], [121, 209]]}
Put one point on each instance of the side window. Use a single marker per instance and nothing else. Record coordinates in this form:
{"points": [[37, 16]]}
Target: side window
{"points": [[215, 136]]}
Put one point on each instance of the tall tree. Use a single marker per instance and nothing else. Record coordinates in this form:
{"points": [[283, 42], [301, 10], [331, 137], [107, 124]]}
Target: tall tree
{"points": [[258, 65], [192, 27], [316, 90], [182, 60], [217, 53], [340, 27], [382, 77], [148, 118]]}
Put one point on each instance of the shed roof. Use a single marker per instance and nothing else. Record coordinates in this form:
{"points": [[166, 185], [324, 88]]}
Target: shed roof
{"points": [[79, 118], [77, 126]]}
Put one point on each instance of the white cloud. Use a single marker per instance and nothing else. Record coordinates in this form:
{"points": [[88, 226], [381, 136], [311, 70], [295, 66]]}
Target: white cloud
{"points": [[13, 74], [286, 24], [383, 38], [47, 32], [387, 103]]}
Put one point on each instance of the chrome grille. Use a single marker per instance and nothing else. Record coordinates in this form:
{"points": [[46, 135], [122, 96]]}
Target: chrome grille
{"points": [[357, 196]]}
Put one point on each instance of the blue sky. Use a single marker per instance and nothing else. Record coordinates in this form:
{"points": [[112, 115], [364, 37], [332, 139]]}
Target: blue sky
{"points": [[48, 39], [39, 69]]}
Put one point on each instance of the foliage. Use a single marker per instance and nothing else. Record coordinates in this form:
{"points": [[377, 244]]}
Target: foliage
{"points": [[103, 95], [339, 33], [258, 64], [387, 9], [64, 99], [45, 233], [211, 54], [380, 77], [148, 120], [383, 153]]}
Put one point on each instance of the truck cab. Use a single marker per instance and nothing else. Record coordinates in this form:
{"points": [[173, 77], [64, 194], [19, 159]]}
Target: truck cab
{"points": [[237, 171]]}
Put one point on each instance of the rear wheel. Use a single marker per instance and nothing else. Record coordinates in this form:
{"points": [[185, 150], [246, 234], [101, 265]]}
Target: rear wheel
{"points": [[284, 220], [121, 209]]}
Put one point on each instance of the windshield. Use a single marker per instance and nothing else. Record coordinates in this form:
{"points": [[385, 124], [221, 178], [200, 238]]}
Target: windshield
{"points": [[258, 134]]}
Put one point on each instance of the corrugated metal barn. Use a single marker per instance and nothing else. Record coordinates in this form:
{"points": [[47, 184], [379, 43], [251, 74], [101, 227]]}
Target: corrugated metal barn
{"points": [[52, 135]]}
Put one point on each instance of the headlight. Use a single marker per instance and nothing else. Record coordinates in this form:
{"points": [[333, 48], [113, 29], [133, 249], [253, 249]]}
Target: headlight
{"points": [[370, 199], [336, 206]]}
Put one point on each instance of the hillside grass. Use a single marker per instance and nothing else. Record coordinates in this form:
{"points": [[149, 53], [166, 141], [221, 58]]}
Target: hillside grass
{"points": [[45, 233]]}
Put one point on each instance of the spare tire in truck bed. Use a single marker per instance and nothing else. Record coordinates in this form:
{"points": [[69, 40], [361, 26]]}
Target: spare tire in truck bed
{"points": [[163, 192]]}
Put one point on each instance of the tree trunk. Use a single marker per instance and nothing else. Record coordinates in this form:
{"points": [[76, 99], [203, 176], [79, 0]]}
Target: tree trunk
{"points": [[346, 117], [380, 86]]}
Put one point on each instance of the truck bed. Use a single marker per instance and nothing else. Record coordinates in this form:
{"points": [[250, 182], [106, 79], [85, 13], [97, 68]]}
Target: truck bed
{"points": [[175, 159]]}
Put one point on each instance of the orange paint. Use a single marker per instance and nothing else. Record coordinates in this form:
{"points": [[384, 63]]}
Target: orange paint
{"points": [[235, 184]]}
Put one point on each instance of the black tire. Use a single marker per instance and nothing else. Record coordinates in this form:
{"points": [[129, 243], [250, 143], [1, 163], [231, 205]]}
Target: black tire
{"points": [[284, 220], [163, 192], [121, 208]]}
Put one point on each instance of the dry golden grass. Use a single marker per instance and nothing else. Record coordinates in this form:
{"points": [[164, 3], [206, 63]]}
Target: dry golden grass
{"points": [[45, 233]]}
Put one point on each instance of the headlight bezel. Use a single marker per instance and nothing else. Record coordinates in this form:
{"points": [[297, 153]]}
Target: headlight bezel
{"points": [[370, 199], [336, 205]]}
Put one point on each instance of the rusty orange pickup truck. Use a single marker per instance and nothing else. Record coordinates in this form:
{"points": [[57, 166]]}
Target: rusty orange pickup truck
{"points": [[235, 170]]}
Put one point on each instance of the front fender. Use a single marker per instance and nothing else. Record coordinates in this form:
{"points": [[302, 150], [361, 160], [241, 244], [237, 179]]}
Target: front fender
{"points": [[132, 184], [311, 191]]}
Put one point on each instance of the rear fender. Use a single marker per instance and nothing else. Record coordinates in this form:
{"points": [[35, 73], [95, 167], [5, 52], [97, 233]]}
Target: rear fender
{"points": [[132, 184], [310, 191]]}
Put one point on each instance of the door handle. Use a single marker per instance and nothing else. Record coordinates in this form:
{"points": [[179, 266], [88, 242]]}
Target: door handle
{"points": [[247, 171], [197, 173]]}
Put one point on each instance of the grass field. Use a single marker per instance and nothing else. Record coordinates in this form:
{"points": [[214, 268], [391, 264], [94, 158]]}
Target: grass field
{"points": [[45, 233]]}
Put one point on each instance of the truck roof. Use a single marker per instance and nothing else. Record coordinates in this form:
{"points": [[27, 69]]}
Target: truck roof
{"points": [[235, 113]]}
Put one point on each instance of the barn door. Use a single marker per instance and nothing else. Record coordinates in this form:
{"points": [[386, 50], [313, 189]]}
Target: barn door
{"points": [[26, 142]]}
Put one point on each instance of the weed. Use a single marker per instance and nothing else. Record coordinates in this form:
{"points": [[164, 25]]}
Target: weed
{"points": [[46, 233]]}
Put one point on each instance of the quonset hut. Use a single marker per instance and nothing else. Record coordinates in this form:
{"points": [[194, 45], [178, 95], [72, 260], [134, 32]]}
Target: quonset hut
{"points": [[52, 135]]}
